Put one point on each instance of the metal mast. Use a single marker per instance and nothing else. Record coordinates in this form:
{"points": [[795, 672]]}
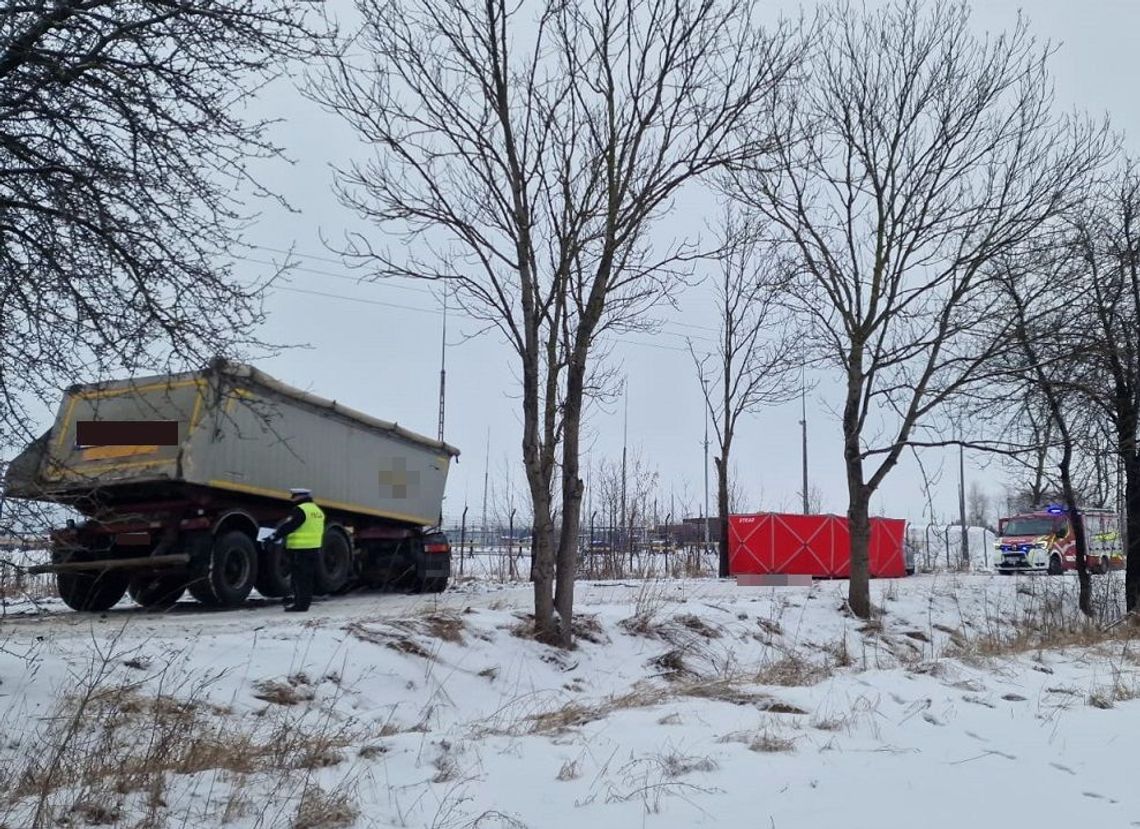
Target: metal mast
{"points": [[624, 444], [486, 471], [962, 504], [706, 514], [443, 366], [803, 427]]}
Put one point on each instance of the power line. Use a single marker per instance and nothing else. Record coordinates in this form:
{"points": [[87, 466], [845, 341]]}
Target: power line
{"points": [[354, 279], [362, 300], [364, 280], [437, 312]]}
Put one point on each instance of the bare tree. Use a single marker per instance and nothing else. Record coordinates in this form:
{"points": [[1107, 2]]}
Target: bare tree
{"points": [[523, 152], [1048, 328], [1109, 240], [740, 498], [928, 151], [753, 364], [123, 161], [978, 506]]}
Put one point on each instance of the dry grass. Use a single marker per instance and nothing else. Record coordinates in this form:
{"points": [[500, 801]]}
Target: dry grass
{"points": [[586, 627], [400, 635], [446, 626], [569, 771], [733, 690], [1121, 689], [409, 646], [697, 625], [647, 607], [671, 665], [566, 717], [320, 809], [109, 752], [293, 690], [674, 764], [829, 723], [792, 669], [764, 742]]}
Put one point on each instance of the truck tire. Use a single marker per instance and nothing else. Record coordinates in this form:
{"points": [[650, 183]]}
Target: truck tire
{"points": [[200, 591], [334, 564], [91, 593], [230, 572], [272, 572], [1056, 568], [157, 592]]}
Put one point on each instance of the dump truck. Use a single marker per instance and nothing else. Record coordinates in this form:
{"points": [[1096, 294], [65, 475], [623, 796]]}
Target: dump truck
{"points": [[176, 477]]}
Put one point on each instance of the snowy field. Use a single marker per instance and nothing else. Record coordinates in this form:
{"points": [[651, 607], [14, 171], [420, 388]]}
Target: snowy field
{"points": [[973, 700]]}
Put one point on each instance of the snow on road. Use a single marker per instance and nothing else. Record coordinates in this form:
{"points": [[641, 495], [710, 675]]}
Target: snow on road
{"points": [[686, 703]]}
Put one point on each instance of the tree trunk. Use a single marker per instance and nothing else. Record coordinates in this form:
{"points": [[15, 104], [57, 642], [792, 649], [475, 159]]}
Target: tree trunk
{"points": [[1126, 426], [722, 507], [1078, 526], [858, 495], [571, 497], [1132, 530], [542, 572], [538, 474], [859, 531]]}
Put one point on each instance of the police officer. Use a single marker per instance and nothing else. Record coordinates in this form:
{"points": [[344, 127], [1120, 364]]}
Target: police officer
{"points": [[303, 529]]}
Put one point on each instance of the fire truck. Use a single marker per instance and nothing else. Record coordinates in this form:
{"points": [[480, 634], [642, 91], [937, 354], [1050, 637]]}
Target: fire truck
{"points": [[1043, 541]]}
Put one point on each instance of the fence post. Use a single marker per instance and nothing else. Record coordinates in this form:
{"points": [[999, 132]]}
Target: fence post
{"points": [[462, 538], [511, 547]]}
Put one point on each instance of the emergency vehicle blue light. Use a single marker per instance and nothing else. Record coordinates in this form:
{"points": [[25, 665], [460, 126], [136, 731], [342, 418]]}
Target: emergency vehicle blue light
{"points": [[1054, 510]]}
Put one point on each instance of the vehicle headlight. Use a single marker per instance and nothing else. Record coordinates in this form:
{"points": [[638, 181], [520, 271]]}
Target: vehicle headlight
{"points": [[997, 545]]}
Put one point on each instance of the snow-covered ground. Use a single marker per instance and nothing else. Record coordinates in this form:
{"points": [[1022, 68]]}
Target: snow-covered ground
{"points": [[686, 703]]}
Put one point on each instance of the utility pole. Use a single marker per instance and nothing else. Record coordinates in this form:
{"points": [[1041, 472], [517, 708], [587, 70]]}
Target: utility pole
{"points": [[486, 471], [705, 517], [443, 366], [624, 444], [803, 427], [962, 504]]}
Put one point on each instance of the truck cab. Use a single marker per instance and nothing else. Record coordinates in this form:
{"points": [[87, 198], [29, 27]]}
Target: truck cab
{"points": [[1043, 541]]}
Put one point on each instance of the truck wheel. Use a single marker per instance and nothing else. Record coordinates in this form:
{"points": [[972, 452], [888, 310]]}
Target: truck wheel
{"points": [[92, 593], [231, 572], [272, 572], [200, 590], [157, 592], [334, 564], [1056, 568]]}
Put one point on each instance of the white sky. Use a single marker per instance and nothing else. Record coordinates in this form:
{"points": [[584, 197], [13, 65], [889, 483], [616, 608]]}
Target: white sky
{"points": [[379, 350]]}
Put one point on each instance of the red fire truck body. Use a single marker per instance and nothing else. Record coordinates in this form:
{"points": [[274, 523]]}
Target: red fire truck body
{"points": [[1042, 541]]}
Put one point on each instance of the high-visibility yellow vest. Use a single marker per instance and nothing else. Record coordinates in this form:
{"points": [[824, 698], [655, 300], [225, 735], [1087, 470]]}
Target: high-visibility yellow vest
{"points": [[310, 534]]}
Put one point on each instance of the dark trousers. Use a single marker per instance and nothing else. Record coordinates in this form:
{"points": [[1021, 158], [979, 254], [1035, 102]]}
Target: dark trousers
{"points": [[303, 569]]}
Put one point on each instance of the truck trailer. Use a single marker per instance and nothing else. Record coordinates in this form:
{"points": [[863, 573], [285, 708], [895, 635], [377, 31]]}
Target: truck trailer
{"points": [[177, 476]]}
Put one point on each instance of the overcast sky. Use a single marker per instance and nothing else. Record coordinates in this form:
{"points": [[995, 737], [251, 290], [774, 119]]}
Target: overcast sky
{"points": [[377, 346]]}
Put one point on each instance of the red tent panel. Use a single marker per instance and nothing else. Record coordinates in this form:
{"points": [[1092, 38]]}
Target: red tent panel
{"points": [[811, 545]]}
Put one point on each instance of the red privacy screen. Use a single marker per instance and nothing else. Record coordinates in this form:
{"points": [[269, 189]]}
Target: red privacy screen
{"points": [[810, 545]]}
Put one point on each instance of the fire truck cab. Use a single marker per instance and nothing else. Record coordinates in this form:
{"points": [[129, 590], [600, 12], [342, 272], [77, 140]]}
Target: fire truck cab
{"points": [[1043, 542]]}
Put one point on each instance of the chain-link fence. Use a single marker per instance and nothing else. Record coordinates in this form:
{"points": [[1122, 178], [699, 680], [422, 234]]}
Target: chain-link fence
{"points": [[503, 553]]}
